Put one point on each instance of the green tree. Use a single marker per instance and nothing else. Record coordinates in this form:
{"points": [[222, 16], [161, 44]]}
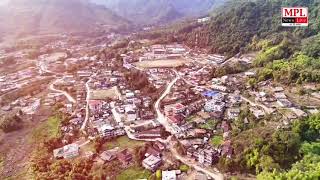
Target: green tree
{"points": [[10, 123], [158, 174]]}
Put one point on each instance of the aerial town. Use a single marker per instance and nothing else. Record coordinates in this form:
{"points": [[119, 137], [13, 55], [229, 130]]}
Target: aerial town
{"points": [[162, 97], [159, 90]]}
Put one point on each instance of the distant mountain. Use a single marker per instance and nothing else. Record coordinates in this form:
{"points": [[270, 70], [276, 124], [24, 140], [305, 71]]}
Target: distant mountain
{"points": [[55, 16], [159, 11]]}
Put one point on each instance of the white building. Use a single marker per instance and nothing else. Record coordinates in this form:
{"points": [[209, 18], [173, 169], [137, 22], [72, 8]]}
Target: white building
{"points": [[169, 175], [214, 106], [233, 113], [219, 87], [203, 20], [151, 162], [67, 151]]}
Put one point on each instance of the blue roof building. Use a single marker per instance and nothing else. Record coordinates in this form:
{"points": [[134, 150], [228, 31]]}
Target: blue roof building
{"points": [[210, 93]]}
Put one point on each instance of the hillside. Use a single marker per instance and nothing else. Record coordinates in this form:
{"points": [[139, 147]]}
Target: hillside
{"points": [[236, 24], [147, 12], [55, 16], [286, 56]]}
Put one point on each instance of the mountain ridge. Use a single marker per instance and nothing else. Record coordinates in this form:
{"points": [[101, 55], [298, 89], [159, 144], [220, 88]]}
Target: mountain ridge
{"points": [[151, 12], [55, 16]]}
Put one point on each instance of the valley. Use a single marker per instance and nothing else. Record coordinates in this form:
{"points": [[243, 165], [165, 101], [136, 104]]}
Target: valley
{"points": [[155, 90]]}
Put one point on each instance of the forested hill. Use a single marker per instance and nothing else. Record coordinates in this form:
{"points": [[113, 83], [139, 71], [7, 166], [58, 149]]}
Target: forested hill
{"points": [[234, 25], [286, 55]]}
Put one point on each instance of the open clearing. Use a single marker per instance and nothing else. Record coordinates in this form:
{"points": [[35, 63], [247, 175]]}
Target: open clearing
{"points": [[161, 63], [122, 142], [134, 172], [55, 56], [111, 93], [16, 147]]}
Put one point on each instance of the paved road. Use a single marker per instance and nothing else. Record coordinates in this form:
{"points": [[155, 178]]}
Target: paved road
{"points": [[84, 143], [130, 135], [161, 118], [69, 97], [192, 163], [87, 106], [43, 67]]}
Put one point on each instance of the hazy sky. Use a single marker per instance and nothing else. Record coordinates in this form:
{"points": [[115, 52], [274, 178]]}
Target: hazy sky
{"points": [[2, 2]]}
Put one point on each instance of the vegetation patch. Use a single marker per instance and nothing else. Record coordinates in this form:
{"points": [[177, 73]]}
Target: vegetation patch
{"points": [[122, 142], [10, 123], [1, 163], [210, 124], [184, 168], [191, 118], [277, 154], [48, 130], [216, 141], [134, 172]]}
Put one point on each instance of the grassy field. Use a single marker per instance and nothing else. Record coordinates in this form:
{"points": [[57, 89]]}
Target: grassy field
{"points": [[122, 142], [216, 141], [191, 118], [104, 94], [133, 173], [210, 124], [47, 130], [161, 63]]}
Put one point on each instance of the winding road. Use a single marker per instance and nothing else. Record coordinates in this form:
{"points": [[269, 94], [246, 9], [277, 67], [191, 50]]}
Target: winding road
{"points": [[162, 119], [130, 135], [84, 124], [191, 162], [69, 97]]}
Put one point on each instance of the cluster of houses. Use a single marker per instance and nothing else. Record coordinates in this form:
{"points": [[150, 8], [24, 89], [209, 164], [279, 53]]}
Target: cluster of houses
{"points": [[159, 76], [17, 80], [130, 112], [274, 98], [152, 158], [210, 104]]}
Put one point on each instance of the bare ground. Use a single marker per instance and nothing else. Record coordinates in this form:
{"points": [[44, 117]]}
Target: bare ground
{"points": [[16, 148]]}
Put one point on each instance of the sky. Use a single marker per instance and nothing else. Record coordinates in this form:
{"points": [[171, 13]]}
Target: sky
{"points": [[3, 2]]}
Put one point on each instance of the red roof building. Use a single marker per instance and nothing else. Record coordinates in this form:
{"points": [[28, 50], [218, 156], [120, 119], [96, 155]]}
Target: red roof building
{"points": [[174, 109], [176, 119], [95, 105]]}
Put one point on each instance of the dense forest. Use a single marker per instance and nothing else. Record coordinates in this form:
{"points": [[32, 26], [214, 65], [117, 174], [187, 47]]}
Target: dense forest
{"points": [[277, 154]]}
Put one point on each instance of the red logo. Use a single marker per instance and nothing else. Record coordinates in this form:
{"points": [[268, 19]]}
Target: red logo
{"points": [[294, 16]]}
